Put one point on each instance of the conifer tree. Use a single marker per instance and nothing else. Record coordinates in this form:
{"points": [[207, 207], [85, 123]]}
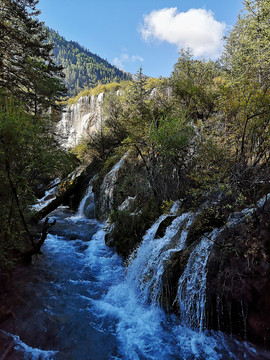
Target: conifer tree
{"points": [[27, 70]]}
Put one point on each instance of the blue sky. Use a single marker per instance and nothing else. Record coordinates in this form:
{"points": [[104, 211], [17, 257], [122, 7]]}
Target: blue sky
{"points": [[147, 33]]}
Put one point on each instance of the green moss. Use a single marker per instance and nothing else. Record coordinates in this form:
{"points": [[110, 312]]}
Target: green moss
{"points": [[129, 228], [100, 88]]}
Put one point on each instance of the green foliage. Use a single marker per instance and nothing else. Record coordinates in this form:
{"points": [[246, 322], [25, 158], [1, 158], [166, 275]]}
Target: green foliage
{"points": [[27, 150], [27, 70], [244, 95], [166, 206], [204, 130], [30, 84], [100, 88], [128, 229], [247, 49], [83, 69], [192, 82], [172, 136]]}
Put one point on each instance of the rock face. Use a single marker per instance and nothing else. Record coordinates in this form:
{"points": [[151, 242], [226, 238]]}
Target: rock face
{"points": [[80, 119], [238, 292], [84, 117]]}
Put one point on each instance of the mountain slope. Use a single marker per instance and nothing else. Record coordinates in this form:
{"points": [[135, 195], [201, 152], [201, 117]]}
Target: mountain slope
{"points": [[82, 68]]}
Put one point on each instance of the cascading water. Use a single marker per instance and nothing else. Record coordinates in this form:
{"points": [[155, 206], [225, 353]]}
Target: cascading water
{"points": [[84, 117], [107, 187], [87, 205], [86, 305], [49, 195], [148, 265], [192, 284], [191, 295]]}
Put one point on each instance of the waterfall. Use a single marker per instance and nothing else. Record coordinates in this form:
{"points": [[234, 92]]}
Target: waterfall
{"points": [[87, 205], [192, 284], [95, 308], [107, 187], [80, 119], [147, 263], [191, 295], [143, 330], [49, 196]]}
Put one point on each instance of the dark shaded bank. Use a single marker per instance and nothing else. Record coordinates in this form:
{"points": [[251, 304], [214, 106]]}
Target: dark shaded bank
{"points": [[14, 283], [12, 300], [238, 292]]}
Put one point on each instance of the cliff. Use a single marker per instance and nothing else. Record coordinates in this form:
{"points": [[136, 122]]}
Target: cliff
{"points": [[79, 119]]}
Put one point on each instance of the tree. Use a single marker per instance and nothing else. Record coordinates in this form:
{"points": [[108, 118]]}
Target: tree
{"points": [[247, 54], [245, 91], [82, 68], [192, 84], [27, 70], [29, 85], [27, 150]]}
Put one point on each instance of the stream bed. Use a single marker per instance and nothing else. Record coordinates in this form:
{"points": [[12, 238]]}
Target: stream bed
{"points": [[82, 303]]}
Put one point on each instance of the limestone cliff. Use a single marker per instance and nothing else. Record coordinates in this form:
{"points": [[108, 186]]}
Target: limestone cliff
{"points": [[80, 119]]}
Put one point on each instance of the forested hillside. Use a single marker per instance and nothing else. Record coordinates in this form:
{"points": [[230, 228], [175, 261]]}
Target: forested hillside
{"points": [[82, 68]]}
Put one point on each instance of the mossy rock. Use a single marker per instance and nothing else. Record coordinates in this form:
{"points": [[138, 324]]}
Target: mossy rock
{"points": [[205, 222]]}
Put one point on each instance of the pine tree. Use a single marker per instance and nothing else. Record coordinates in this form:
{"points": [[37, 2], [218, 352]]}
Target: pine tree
{"points": [[27, 70]]}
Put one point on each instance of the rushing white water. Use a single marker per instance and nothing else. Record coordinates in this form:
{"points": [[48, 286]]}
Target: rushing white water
{"points": [[147, 267], [192, 284], [90, 307], [107, 187], [30, 353], [49, 195], [87, 205]]}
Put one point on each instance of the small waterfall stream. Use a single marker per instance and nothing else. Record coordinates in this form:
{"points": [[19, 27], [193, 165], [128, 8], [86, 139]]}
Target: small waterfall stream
{"points": [[49, 195], [147, 263], [192, 284], [87, 206], [107, 187], [88, 306]]}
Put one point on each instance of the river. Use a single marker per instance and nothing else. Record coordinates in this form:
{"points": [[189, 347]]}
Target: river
{"points": [[84, 304]]}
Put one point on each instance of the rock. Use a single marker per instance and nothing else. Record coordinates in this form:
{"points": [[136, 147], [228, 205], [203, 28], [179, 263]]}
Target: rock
{"points": [[238, 280], [80, 119], [173, 269], [109, 241], [163, 226]]}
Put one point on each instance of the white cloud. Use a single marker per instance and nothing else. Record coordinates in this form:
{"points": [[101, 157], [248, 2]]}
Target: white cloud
{"points": [[196, 29], [125, 59]]}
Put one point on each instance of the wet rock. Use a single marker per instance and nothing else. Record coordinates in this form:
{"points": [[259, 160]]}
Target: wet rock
{"points": [[109, 241], [173, 269], [163, 226], [238, 291]]}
